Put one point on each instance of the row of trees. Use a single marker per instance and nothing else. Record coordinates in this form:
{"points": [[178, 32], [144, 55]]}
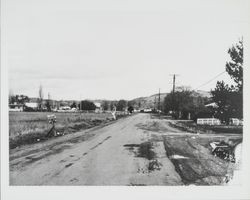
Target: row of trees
{"points": [[120, 105], [228, 99], [19, 99], [186, 104]]}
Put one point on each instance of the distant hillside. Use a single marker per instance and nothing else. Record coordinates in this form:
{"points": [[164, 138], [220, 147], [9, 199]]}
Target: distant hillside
{"points": [[149, 102]]}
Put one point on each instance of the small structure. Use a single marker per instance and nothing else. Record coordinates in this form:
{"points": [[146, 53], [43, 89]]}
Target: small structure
{"points": [[16, 107], [236, 122], [31, 106], [208, 121], [64, 109], [98, 107], [147, 110]]}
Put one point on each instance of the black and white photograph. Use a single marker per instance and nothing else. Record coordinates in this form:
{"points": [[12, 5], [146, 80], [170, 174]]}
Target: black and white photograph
{"points": [[124, 93]]}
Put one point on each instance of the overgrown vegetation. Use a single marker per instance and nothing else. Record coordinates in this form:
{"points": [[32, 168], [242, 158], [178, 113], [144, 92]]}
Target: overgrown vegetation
{"points": [[31, 127]]}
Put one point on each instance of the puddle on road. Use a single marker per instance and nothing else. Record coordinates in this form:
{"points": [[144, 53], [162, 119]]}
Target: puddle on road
{"points": [[178, 157], [145, 150]]}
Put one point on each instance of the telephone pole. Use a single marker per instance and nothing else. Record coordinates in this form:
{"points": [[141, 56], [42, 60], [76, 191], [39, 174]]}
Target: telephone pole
{"points": [[80, 106], [49, 100], [155, 104], [159, 99], [173, 96], [173, 83], [159, 102], [174, 77]]}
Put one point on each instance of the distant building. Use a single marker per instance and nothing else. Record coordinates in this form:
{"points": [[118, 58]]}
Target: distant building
{"points": [[211, 105], [31, 106], [33, 99], [147, 110], [208, 121], [16, 107], [235, 122], [98, 107], [64, 109]]}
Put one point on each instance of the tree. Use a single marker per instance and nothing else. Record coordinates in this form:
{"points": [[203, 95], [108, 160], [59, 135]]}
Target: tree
{"points": [[121, 105], [48, 106], [229, 99], [73, 105], [184, 103], [105, 105], [131, 109], [229, 102], [12, 99], [235, 67], [40, 97], [112, 104], [139, 104], [87, 105], [19, 99]]}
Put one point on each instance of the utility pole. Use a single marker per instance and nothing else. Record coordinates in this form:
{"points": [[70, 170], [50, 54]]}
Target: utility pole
{"points": [[173, 83], [173, 96], [49, 99], [80, 102], [159, 99], [155, 104], [159, 102]]}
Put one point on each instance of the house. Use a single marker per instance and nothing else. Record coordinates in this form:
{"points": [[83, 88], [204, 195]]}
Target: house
{"points": [[16, 107], [31, 106], [64, 109], [147, 110]]}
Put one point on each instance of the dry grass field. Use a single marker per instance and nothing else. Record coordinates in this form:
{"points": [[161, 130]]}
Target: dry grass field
{"points": [[30, 127]]}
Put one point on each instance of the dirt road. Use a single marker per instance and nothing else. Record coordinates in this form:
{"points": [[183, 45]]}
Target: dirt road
{"points": [[130, 151]]}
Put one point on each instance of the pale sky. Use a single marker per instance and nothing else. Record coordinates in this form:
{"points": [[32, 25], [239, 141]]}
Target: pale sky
{"points": [[118, 49]]}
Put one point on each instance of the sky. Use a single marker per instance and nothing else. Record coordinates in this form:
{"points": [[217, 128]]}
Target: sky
{"points": [[113, 49]]}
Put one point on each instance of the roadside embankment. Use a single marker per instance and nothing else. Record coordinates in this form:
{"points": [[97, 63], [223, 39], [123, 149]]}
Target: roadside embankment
{"points": [[190, 126]]}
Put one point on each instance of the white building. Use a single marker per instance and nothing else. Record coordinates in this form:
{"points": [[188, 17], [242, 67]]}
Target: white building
{"points": [[208, 121], [98, 107]]}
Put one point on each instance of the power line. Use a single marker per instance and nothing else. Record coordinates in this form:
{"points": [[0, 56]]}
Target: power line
{"points": [[210, 80]]}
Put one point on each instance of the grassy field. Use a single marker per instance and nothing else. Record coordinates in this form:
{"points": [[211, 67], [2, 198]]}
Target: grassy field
{"points": [[31, 127]]}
